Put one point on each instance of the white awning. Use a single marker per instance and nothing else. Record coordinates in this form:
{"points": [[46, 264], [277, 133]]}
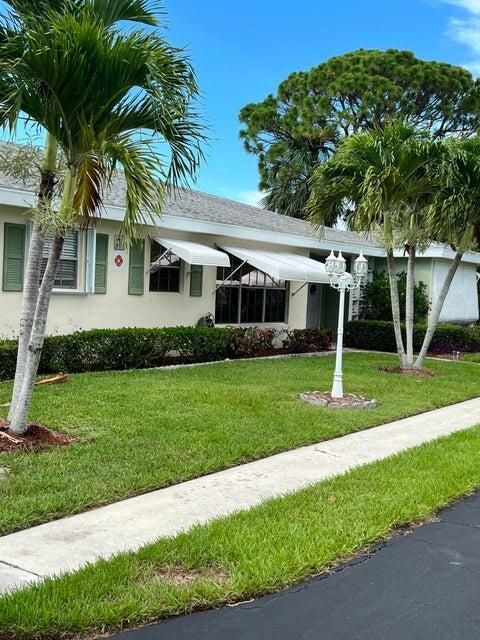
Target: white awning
{"points": [[282, 266], [195, 253]]}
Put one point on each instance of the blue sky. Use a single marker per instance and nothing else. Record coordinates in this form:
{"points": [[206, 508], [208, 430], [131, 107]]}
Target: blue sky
{"points": [[242, 50]]}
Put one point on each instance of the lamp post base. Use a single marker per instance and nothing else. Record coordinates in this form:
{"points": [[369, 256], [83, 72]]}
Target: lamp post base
{"points": [[337, 388]]}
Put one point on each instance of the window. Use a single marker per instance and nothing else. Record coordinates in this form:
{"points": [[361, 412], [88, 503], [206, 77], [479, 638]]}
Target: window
{"points": [[67, 271], [249, 296], [166, 275]]}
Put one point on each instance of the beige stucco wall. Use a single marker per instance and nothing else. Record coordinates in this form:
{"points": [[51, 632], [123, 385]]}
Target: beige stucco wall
{"points": [[461, 304], [73, 311], [423, 269]]}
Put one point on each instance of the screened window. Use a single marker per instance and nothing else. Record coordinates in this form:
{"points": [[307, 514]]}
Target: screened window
{"points": [[249, 296], [166, 275], [67, 272]]}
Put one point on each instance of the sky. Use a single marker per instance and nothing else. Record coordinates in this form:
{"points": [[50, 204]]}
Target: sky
{"points": [[242, 49]]}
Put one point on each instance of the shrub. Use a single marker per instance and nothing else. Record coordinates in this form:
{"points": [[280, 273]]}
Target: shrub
{"points": [[308, 340], [104, 349], [377, 335], [376, 301], [8, 358], [247, 342]]}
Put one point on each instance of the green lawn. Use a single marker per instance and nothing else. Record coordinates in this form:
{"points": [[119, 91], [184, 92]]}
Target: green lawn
{"points": [[254, 552], [472, 357], [142, 430]]}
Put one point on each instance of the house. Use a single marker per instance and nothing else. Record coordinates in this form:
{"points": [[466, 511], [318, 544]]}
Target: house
{"points": [[205, 254]]}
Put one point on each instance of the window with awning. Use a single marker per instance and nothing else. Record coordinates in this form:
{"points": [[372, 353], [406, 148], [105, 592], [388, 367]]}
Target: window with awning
{"points": [[246, 295], [255, 289], [280, 265], [166, 257], [193, 252]]}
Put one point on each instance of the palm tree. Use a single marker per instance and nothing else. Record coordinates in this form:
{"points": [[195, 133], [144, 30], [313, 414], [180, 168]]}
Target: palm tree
{"points": [[22, 14], [454, 218], [383, 182], [94, 89]]}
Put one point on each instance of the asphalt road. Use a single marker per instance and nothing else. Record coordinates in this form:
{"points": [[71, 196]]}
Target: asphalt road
{"points": [[424, 584]]}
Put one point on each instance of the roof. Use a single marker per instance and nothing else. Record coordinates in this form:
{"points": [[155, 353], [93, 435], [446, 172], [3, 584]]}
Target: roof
{"points": [[188, 209], [196, 205]]}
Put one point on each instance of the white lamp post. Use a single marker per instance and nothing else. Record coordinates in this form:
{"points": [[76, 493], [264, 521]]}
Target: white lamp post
{"points": [[335, 266]]}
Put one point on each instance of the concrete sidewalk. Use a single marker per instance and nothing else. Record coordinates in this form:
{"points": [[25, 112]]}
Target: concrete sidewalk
{"points": [[422, 585], [67, 544]]}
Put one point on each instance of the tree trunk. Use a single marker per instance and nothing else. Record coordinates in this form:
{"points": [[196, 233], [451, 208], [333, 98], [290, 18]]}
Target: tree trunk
{"points": [[18, 422], [29, 302], [33, 271], [392, 276], [410, 303], [437, 309]]}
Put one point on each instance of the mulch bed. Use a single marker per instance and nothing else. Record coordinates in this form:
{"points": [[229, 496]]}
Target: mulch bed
{"points": [[37, 436], [425, 373]]}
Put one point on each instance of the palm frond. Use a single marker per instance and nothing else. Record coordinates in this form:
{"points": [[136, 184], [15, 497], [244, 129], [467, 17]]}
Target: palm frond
{"points": [[147, 12]]}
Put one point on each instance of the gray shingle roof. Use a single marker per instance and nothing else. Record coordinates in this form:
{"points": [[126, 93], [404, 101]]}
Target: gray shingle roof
{"points": [[196, 205]]}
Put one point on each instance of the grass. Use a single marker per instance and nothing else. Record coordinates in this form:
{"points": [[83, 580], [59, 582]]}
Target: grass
{"points": [[471, 357], [253, 552], [143, 430]]}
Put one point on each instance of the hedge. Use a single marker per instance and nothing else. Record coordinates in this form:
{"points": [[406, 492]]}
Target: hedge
{"points": [[115, 349], [378, 335], [308, 340]]}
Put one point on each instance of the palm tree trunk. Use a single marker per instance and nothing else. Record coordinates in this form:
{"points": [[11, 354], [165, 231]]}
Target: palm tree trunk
{"points": [[33, 271], [392, 277], [437, 309], [397, 327], [410, 303], [18, 421]]}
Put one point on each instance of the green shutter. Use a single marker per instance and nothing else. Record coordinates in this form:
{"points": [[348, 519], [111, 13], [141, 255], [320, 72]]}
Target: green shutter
{"points": [[196, 280], [13, 256], [101, 263], [136, 268]]}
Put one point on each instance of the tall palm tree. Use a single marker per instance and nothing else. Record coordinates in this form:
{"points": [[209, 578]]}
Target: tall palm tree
{"points": [[94, 88], [385, 181], [454, 218], [21, 15]]}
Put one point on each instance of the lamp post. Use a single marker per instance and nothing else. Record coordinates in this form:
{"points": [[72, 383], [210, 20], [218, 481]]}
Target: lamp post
{"points": [[335, 266]]}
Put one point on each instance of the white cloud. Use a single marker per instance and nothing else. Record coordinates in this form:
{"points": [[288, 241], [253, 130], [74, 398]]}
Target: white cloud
{"points": [[473, 6], [466, 31]]}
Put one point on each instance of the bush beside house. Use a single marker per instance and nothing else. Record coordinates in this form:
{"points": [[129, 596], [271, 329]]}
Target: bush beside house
{"points": [[117, 349], [378, 335], [308, 340], [376, 300]]}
